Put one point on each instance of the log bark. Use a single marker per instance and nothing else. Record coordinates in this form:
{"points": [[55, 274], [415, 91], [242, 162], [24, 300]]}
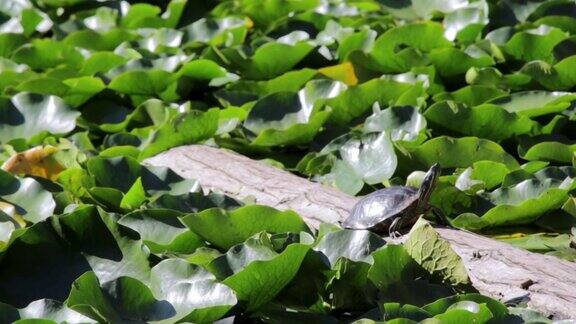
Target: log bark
{"points": [[496, 269]]}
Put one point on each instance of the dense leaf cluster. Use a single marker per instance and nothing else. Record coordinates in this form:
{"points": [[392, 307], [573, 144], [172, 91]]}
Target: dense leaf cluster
{"points": [[356, 94]]}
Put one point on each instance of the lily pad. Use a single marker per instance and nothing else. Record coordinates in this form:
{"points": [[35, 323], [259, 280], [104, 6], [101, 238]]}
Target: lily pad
{"points": [[535, 103], [349, 244], [27, 114], [402, 123], [435, 255], [30, 201], [371, 157], [188, 128], [162, 231], [273, 270], [43, 309], [485, 121], [226, 229], [192, 291], [461, 152]]}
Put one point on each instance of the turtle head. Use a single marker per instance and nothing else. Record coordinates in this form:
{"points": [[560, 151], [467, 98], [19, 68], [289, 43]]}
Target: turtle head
{"points": [[428, 184]]}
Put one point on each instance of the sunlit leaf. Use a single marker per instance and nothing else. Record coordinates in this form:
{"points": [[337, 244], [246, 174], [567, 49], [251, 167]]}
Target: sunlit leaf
{"points": [[27, 114]]}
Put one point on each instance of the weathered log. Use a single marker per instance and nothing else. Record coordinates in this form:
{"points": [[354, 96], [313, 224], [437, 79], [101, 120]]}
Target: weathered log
{"points": [[496, 269]]}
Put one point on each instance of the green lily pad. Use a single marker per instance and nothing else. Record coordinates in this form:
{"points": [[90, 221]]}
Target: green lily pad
{"points": [[539, 242], [440, 306], [27, 114], [42, 309], [407, 312], [349, 244], [30, 200], [120, 300], [99, 41], [535, 103], [61, 250], [188, 128], [358, 100], [393, 265], [388, 56], [461, 152], [402, 123], [421, 9], [549, 151], [277, 111], [435, 255], [269, 60], [9, 42], [535, 44], [226, 229], [524, 203], [295, 134], [292, 81], [451, 61], [465, 23], [467, 312], [162, 230], [193, 292], [489, 173], [557, 77], [47, 53], [485, 121], [242, 264], [146, 83], [227, 30], [118, 173], [371, 157]]}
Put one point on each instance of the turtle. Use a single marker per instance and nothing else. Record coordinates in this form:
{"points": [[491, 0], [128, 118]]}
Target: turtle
{"points": [[391, 209]]}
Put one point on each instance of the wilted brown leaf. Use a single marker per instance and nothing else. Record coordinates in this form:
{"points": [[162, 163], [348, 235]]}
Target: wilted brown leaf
{"points": [[38, 161]]}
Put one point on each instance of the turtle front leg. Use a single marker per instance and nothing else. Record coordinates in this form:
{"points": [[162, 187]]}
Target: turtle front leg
{"points": [[393, 229]]}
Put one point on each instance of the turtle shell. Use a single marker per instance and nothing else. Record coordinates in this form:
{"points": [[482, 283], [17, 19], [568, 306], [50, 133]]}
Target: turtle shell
{"points": [[381, 205]]}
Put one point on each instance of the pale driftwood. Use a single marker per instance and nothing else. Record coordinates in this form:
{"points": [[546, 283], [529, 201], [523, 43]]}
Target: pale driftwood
{"points": [[496, 269]]}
